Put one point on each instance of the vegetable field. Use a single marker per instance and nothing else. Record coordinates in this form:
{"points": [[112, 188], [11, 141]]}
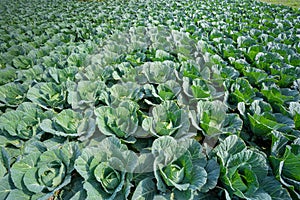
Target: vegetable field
{"points": [[160, 99]]}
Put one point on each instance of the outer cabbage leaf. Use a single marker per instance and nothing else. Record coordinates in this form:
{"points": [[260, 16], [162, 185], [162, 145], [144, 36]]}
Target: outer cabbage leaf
{"points": [[96, 72], [192, 70], [255, 76], [161, 55], [263, 125], [22, 62], [245, 41], [136, 58], [286, 74], [263, 60], [295, 113], [278, 97], [33, 74], [200, 89], [168, 90], [274, 189], [55, 60], [185, 46], [5, 162], [76, 60], [253, 51], [74, 190], [7, 188], [146, 189], [124, 72], [263, 121], [243, 172], [139, 38]]}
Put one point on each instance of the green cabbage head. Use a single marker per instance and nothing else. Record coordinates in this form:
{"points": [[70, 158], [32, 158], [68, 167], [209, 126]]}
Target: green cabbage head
{"points": [[41, 173]]}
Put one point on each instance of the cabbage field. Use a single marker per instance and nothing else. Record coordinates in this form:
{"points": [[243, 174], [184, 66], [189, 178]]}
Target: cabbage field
{"points": [[142, 100]]}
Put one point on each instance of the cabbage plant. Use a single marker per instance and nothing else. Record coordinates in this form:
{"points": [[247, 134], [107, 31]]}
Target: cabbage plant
{"points": [[200, 89], [69, 123], [107, 168], [180, 167], [12, 94], [157, 72], [286, 168], [123, 92], [263, 121], [48, 95], [57, 75], [245, 172], [211, 118], [121, 121], [240, 91], [169, 119], [40, 174], [23, 123], [168, 90], [148, 77], [8, 75], [85, 94], [295, 113]]}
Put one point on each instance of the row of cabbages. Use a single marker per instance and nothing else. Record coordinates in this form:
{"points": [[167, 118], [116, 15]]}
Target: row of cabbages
{"points": [[171, 169]]}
